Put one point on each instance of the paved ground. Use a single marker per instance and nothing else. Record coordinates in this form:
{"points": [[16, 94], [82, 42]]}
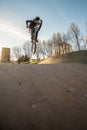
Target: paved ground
{"points": [[43, 97]]}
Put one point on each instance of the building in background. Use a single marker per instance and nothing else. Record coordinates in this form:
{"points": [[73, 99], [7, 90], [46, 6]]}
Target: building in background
{"points": [[63, 49], [5, 55], [85, 42]]}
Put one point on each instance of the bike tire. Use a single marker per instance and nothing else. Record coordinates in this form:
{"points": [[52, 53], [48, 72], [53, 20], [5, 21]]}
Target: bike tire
{"points": [[33, 47]]}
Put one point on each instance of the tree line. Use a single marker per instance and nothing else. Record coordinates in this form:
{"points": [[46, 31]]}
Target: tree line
{"points": [[52, 45]]}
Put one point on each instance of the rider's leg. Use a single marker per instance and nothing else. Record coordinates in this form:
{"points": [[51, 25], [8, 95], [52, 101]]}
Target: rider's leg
{"points": [[34, 34]]}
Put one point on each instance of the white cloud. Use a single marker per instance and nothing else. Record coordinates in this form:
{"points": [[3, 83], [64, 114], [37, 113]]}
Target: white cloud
{"points": [[11, 35], [12, 30]]}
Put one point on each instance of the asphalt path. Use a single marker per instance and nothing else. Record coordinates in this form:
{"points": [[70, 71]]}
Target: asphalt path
{"points": [[43, 97]]}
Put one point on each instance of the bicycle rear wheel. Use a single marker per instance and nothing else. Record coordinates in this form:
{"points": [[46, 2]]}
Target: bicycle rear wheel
{"points": [[33, 47]]}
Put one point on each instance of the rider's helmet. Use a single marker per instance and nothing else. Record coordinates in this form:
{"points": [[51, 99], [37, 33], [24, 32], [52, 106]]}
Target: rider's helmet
{"points": [[37, 18]]}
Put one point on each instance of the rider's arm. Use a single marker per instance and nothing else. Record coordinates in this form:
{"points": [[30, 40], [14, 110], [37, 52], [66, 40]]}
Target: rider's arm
{"points": [[28, 21]]}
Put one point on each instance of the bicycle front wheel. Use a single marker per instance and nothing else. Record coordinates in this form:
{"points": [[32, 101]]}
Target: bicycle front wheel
{"points": [[33, 47]]}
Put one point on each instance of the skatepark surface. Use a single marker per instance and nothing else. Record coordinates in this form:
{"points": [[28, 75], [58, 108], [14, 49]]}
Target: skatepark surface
{"points": [[72, 57], [43, 97]]}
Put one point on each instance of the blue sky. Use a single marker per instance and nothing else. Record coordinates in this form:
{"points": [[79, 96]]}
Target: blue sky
{"points": [[56, 15]]}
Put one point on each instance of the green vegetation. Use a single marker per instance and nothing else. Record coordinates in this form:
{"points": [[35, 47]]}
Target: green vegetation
{"points": [[33, 62], [23, 58]]}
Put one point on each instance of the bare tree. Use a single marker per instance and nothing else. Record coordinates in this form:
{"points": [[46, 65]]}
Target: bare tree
{"points": [[85, 42], [57, 40], [64, 43], [64, 38], [44, 49], [39, 50], [27, 48], [74, 34], [17, 52], [50, 47]]}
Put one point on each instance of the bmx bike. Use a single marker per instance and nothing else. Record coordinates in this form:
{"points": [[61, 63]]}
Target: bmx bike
{"points": [[33, 46]]}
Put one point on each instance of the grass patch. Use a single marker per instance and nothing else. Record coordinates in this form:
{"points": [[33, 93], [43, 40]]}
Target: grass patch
{"points": [[33, 62]]}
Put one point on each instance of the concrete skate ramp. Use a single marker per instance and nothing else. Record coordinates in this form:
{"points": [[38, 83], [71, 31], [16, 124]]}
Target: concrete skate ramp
{"points": [[73, 57], [43, 97]]}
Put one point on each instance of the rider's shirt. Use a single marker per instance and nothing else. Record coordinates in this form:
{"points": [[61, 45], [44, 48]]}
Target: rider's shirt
{"points": [[33, 24]]}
